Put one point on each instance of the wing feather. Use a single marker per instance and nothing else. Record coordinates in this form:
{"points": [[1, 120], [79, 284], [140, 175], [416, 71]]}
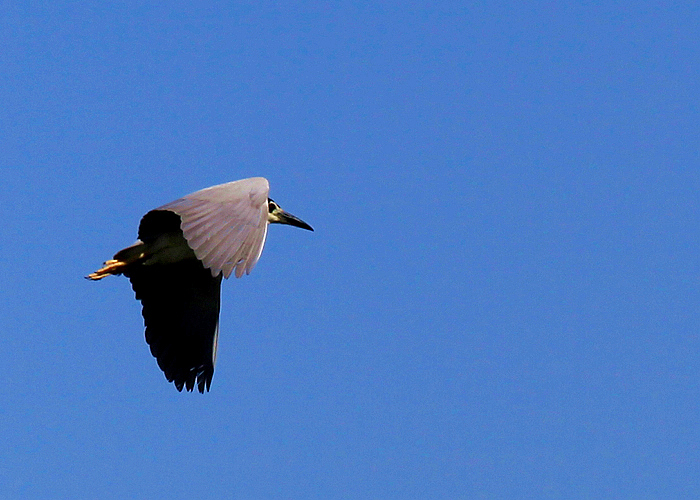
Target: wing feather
{"points": [[225, 225], [181, 304]]}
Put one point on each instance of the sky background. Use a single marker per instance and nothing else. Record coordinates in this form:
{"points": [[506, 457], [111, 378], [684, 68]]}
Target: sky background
{"points": [[500, 299]]}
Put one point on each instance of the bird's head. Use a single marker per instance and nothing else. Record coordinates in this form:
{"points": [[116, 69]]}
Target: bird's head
{"points": [[276, 215]]}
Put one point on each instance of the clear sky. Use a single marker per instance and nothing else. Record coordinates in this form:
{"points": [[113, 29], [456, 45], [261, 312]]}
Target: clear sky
{"points": [[500, 299]]}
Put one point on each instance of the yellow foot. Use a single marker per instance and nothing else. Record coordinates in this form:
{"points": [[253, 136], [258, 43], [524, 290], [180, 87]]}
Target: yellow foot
{"points": [[111, 267]]}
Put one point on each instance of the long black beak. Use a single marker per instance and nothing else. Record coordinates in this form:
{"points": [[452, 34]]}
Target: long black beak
{"points": [[287, 218]]}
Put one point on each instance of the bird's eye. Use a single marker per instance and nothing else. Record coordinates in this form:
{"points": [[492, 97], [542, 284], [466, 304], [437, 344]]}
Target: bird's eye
{"points": [[272, 206]]}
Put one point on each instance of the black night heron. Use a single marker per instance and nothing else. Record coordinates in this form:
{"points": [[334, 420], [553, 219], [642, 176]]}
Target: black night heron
{"points": [[176, 265]]}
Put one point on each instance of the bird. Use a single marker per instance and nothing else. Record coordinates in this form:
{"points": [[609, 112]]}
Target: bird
{"points": [[176, 266]]}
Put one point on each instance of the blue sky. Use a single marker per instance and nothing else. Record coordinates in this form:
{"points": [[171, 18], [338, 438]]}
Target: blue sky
{"points": [[500, 299]]}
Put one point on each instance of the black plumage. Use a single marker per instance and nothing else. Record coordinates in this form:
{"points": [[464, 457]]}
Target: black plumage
{"points": [[181, 303]]}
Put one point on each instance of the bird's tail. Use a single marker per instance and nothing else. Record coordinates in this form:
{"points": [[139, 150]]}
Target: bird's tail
{"points": [[133, 254]]}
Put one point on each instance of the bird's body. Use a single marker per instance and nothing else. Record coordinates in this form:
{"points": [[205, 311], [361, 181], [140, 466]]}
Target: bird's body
{"points": [[183, 251]]}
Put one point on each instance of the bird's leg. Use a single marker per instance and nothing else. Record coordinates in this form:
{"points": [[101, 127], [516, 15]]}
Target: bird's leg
{"points": [[110, 267], [123, 258]]}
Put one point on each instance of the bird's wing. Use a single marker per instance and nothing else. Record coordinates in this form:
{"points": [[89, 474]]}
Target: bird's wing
{"points": [[225, 225], [181, 304]]}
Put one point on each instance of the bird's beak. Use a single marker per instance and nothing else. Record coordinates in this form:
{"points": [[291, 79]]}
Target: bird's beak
{"points": [[287, 218]]}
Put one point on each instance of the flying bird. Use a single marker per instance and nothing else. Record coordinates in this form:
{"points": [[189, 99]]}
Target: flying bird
{"points": [[183, 251]]}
